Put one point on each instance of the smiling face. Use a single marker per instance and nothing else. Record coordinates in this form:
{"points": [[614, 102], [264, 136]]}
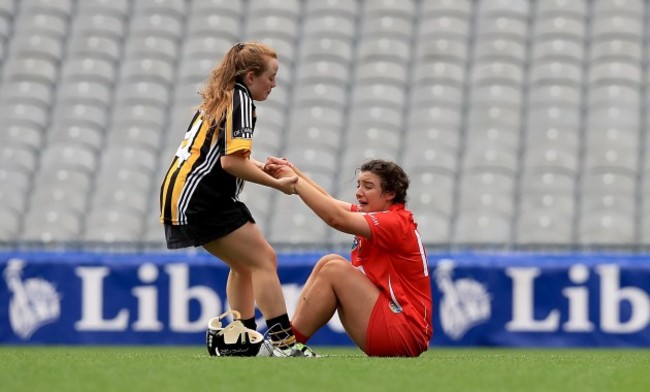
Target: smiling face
{"points": [[261, 85], [370, 194]]}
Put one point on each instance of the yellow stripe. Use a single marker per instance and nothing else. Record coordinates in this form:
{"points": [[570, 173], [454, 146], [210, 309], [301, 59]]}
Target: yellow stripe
{"points": [[195, 154], [170, 173], [183, 171], [232, 145]]}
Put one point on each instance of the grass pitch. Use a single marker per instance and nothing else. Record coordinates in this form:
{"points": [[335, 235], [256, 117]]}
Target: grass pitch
{"points": [[190, 369]]}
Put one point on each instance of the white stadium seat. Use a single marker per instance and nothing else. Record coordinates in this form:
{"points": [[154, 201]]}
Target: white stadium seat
{"points": [[547, 97]]}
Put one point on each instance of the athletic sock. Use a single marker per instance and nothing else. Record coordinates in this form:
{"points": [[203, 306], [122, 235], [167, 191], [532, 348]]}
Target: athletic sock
{"points": [[280, 331], [299, 336], [250, 323]]}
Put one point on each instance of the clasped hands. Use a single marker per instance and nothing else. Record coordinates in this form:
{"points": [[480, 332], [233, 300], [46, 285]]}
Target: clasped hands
{"points": [[281, 169]]}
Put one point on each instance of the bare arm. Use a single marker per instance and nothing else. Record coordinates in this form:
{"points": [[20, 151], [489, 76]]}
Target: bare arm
{"points": [[330, 211], [309, 180], [279, 167], [342, 204], [240, 166], [257, 163]]}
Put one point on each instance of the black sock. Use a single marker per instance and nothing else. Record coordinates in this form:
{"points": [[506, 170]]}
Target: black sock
{"points": [[280, 330], [250, 323]]}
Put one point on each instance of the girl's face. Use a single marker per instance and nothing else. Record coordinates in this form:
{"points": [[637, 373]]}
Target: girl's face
{"points": [[370, 195], [260, 86]]}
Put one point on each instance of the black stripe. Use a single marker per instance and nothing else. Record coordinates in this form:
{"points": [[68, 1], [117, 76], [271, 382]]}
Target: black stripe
{"points": [[167, 210]]}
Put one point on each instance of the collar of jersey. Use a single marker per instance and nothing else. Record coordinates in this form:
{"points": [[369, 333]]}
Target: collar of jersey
{"points": [[242, 86]]}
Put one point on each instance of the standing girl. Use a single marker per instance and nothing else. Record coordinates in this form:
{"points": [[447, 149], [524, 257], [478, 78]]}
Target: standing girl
{"points": [[199, 195]]}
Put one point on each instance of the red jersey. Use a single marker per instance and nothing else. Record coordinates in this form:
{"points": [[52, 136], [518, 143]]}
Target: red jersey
{"points": [[396, 262]]}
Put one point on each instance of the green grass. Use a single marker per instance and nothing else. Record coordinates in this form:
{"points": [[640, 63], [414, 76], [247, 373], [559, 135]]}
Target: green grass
{"points": [[189, 369]]}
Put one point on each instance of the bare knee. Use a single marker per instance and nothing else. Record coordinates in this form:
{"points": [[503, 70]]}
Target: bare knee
{"points": [[334, 267], [260, 257], [265, 261], [240, 271], [271, 258], [327, 259], [332, 256]]}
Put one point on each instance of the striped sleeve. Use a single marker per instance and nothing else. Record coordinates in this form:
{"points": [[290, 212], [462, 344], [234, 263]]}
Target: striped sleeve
{"points": [[240, 123]]}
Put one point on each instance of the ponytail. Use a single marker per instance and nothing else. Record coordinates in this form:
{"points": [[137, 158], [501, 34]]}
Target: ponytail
{"points": [[242, 58]]}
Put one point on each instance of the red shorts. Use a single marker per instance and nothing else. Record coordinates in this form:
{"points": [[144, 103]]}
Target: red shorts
{"points": [[389, 334]]}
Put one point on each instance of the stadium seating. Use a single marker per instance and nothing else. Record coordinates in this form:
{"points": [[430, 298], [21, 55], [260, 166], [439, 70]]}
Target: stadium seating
{"points": [[520, 123]]}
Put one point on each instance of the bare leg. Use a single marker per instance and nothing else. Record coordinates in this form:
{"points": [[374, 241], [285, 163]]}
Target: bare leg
{"points": [[314, 273], [247, 252], [240, 292], [336, 284]]}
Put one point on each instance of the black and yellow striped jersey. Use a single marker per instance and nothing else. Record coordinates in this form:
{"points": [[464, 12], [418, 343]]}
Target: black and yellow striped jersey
{"points": [[195, 181]]}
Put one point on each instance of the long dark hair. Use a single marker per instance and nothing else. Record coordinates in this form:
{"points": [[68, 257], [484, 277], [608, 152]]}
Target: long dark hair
{"points": [[393, 177]]}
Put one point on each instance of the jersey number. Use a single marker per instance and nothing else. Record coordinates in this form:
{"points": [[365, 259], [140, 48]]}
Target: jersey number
{"points": [[183, 153]]}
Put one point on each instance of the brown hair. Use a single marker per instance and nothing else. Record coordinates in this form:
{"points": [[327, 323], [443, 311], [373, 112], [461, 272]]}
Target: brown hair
{"points": [[242, 58], [393, 178]]}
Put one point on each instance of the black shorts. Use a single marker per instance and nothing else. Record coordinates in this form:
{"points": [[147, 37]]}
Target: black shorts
{"points": [[231, 217]]}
